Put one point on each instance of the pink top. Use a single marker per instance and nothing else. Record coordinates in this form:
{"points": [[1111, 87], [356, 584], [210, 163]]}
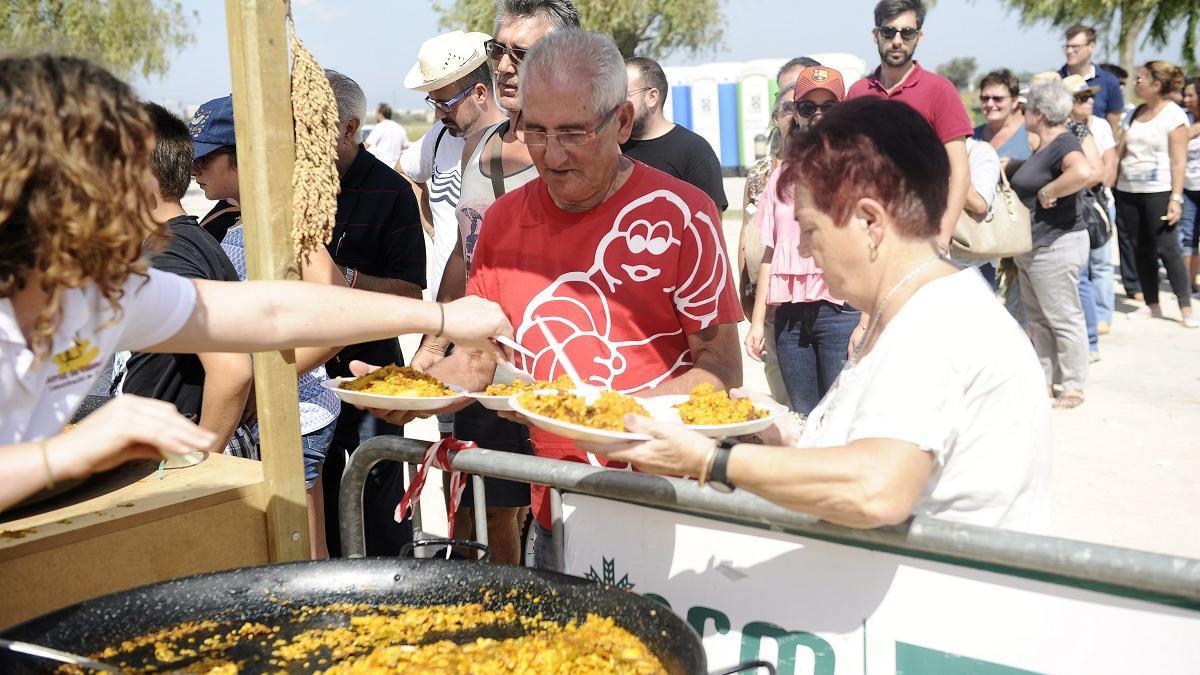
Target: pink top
{"points": [[794, 278]]}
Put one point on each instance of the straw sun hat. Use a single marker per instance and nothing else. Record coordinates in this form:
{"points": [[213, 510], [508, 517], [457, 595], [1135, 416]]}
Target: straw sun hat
{"points": [[445, 59]]}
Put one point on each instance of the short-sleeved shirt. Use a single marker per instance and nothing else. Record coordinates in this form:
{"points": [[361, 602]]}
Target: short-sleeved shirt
{"points": [[985, 169], [378, 232], [1016, 147], [621, 287], [1037, 172], [39, 397], [1109, 97], [1146, 165], [319, 407], [179, 378], [387, 140], [435, 159], [931, 95], [953, 374], [684, 154], [794, 277], [1102, 133]]}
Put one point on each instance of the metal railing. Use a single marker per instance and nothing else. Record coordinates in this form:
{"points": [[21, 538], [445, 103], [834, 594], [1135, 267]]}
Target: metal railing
{"points": [[1147, 576]]}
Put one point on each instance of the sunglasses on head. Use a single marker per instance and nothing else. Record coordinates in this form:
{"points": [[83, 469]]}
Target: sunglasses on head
{"points": [[807, 109], [497, 50], [906, 34]]}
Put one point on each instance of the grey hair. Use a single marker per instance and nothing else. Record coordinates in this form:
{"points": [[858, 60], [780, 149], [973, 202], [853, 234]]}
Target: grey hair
{"points": [[351, 101], [560, 13], [1051, 99], [578, 56]]}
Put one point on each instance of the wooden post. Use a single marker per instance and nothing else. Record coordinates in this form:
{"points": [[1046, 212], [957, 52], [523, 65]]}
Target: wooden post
{"points": [[262, 112]]}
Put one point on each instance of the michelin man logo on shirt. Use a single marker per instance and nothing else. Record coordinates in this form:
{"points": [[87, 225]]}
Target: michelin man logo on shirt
{"points": [[577, 306]]}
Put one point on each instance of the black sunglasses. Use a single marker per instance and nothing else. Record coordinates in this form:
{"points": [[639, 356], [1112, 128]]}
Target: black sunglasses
{"points": [[497, 50], [807, 109], [889, 32], [1083, 98]]}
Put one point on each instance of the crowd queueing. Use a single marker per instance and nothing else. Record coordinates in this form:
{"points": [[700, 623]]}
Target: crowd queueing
{"points": [[913, 388]]}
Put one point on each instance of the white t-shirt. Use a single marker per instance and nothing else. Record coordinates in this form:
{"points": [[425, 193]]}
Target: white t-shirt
{"points": [[387, 140], [1146, 166], [955, 375], [436, 160], [1191, 179], [1102, 133], [37, 399], [985, 169]]}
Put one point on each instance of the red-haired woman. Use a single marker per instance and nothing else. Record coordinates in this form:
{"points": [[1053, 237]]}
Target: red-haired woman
{"points": [[940, 410]]}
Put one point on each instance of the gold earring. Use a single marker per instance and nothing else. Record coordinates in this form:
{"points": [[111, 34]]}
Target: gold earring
{"points": [[872, 246]]}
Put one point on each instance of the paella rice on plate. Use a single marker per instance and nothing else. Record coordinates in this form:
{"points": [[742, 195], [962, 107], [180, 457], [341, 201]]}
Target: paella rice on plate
{"points": [[705, 406], [607, 412], [393, 380]]}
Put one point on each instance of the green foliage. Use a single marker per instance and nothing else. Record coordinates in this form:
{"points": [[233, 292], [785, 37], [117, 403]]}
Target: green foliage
{"points": [[130, 37], [653, 28], [959, 71], [1160, 19]]}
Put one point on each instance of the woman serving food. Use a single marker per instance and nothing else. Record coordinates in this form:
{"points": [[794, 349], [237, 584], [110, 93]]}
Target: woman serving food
{"points": [[939, 410]]}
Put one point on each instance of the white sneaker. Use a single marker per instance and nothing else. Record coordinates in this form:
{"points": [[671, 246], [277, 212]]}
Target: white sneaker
{"points": [[1093, 357], [1191, 322]]}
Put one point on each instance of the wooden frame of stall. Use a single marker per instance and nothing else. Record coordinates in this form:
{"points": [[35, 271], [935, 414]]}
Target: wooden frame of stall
{"points": [[141, 525]]}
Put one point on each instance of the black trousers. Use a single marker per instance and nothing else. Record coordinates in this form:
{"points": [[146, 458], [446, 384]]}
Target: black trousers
{"points": [[1142, 215]]}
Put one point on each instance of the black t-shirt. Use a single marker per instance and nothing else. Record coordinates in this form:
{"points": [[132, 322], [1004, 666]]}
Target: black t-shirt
{"points": [[685, 155], [377, 232], [1042, 167], [222, 217], [179, 378]]}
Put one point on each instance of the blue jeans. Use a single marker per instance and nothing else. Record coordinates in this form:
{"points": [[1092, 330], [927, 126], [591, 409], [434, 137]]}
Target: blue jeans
{"points": [[1088, 300], [1189, 227], [315, 446], [811, 339], [1100, 272]]}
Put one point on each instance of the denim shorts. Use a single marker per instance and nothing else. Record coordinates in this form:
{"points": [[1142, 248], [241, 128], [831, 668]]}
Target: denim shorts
{"points": [[315, 446]]}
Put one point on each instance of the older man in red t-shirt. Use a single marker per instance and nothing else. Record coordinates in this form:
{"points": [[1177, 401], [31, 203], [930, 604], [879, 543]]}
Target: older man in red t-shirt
{"points": [[624, 264], [897, 33]]}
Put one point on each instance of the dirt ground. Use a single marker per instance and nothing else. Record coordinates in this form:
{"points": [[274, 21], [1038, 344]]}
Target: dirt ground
{"points": [[1126, 462]]}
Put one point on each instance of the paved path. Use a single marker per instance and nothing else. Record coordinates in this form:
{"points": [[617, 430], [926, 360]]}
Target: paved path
{"points": [[1126, 462]]}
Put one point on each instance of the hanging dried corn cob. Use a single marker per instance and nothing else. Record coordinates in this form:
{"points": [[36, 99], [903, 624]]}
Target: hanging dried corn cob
{"points": [[315, 181]]}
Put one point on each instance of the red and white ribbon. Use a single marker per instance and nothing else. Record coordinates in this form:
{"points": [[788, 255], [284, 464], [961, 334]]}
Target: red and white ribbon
{"points": [[437, 456]]}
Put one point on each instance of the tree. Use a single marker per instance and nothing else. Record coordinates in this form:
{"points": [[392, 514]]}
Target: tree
{"points": [[1160, 19], [651, 28], [127, 36], [959, 71]]}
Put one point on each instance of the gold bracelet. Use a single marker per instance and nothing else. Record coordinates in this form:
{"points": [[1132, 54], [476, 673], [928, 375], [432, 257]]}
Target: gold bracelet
{"points": [[46, 465], [702, 480]]}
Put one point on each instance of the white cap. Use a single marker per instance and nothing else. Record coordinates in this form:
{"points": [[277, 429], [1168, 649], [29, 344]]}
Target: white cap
{"points": [[445, 59]]}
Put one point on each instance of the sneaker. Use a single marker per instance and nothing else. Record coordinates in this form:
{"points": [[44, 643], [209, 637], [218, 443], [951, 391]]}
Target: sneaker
{"points": [[1144, 312], [1093, 357], [1103, 328], [1191, 322]]}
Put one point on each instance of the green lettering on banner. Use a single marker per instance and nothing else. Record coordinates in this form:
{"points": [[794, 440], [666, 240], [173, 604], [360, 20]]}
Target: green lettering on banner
{"points": [[914, 660], [698, 616], [789, 642]]}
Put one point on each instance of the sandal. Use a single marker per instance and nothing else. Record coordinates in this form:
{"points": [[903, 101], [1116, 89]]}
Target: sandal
{"points": [[1068, 400]]}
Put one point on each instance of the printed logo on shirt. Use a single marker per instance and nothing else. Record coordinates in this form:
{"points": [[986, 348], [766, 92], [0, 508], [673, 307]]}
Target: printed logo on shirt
{"points": [[74, 363]]}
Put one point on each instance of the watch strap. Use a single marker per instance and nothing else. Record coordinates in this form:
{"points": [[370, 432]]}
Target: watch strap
{"points": [[720, 469]]}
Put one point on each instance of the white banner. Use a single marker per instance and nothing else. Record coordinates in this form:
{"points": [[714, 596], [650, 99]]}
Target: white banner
{"points": [[811, 606]]}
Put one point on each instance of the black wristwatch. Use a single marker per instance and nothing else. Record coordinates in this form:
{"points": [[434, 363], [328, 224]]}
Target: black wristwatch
{"points": [[718, 478]]}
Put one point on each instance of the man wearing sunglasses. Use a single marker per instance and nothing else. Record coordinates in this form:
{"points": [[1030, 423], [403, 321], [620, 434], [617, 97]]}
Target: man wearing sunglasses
{"points": [[623, 265], [899, 77], [1109, 102], [666, 146]]}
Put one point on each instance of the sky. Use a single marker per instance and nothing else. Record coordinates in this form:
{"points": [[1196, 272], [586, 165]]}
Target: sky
{"points": [[376, 42]]}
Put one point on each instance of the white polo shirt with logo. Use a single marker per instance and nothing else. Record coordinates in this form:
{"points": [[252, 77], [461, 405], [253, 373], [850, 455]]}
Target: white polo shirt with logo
{"points": [[38, 397]]}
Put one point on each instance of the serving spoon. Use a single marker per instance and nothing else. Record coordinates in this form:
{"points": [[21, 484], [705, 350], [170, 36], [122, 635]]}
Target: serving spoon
{"points": [[38, 651]]}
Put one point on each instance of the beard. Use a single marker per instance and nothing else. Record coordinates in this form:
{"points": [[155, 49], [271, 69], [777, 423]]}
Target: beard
{"points": [[641, 118], [900, 58]]}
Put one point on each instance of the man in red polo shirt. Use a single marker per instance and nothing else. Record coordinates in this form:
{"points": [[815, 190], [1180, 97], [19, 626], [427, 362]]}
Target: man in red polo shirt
{"points": [[897, 33], [622, 263]]}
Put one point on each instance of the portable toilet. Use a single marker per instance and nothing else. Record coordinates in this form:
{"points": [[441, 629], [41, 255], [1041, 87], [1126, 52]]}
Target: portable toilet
{"points": [[756, 98], [678, 105], [715, 110]]}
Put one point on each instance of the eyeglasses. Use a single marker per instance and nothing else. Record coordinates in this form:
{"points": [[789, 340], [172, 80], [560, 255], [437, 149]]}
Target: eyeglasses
{"points": [[993, 99], [637, 91], [787, 108], [200, 163], [497, 50], [538, 138], [1084, 98], [1074, 48], [906, 34], [807, 109], [447, 105]]}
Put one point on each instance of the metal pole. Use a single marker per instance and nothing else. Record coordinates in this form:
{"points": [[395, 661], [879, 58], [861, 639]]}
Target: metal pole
{"points": [[481, 532], [556, 529]]}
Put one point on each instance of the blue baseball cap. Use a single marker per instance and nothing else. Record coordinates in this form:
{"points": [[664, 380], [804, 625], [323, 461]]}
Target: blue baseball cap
{"points": [[212, 126]]}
